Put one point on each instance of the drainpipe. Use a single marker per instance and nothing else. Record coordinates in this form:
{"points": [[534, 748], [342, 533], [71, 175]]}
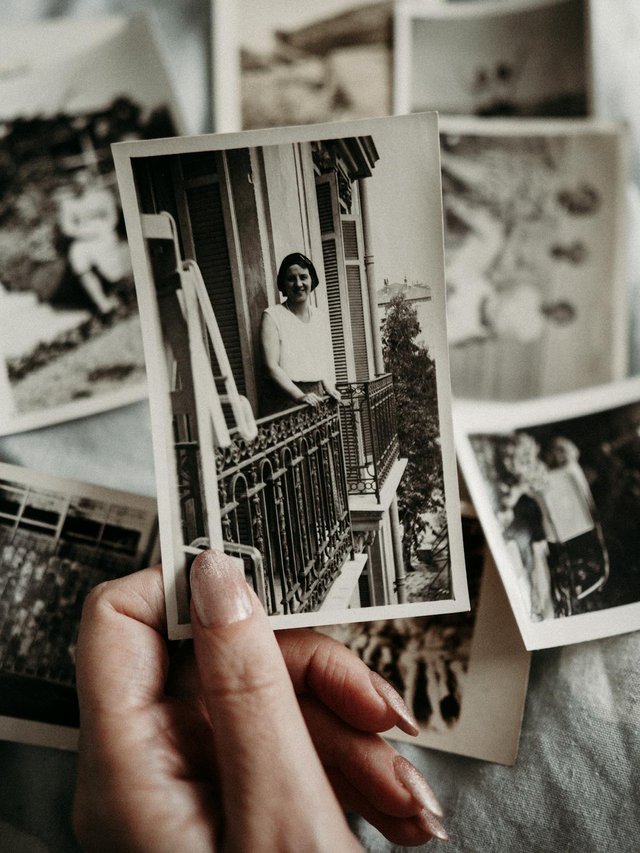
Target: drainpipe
{"points": [[376, 338], [398, 559]]}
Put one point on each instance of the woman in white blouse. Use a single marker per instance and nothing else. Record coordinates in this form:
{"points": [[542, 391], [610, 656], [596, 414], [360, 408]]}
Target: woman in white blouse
{"points": [[296, 342]]}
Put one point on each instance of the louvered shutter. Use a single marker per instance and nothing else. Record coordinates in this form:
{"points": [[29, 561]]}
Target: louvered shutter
{"points": [[332, 254], [204, 203], [355, 277]]}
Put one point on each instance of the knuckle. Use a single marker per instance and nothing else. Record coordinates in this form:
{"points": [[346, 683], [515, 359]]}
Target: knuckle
{"points": [[245, 684]]}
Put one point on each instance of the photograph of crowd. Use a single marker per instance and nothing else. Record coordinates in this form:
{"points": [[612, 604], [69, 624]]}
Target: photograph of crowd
{"points": [[70, 340], [463, 676], [309, 436], [523, 58], [299, 63], [534, 225], [58, 539], [557, 484]]}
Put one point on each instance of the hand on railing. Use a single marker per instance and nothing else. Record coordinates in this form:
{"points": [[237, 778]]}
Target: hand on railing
{"points": [[332, 392], [310, 399]]}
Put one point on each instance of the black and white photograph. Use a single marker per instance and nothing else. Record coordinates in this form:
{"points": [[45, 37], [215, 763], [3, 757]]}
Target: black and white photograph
{"points": [[70, 339], [294, 425], [285, 62], [58, 539], [463, 676], [535, 252], [520, 58], [556, 486]]}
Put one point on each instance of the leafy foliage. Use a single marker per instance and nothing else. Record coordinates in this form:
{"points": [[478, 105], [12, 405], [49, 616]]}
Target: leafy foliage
{"points": [[421, 490]]}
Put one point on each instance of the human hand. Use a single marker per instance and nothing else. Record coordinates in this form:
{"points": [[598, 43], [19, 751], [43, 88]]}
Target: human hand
{"points": [[332, 391], [311, 399], [211, 752]]}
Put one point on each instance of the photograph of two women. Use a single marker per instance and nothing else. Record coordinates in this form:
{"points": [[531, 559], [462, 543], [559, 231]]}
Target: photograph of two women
{"points": [[301, 416]]}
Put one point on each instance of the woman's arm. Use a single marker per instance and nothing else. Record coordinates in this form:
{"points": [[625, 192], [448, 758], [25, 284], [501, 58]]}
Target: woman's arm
{"points": [[270, 341]]}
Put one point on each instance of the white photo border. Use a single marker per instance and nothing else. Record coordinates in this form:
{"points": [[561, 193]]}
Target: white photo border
{"points": [[164, 455]]}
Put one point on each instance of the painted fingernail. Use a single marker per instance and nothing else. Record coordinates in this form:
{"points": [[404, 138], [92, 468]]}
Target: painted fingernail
{"points": [[406, 721], [417, 785], [432, 825], [219, 591]]}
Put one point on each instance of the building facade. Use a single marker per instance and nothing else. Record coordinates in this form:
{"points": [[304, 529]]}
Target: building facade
{"points": [[310, 502]]}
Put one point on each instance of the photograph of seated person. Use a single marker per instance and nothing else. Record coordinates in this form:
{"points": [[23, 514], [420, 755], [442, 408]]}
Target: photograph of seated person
{"points": [[296, 342]]}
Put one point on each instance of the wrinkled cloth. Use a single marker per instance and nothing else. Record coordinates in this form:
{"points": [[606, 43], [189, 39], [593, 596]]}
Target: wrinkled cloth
{"points": [[574, 786]]}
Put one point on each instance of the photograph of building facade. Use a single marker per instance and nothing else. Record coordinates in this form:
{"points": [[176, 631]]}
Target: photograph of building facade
{"points": [[58, 539], [310, 499]]}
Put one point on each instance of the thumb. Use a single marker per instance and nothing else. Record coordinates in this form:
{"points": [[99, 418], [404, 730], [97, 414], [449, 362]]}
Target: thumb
{"points": [[271, 777]]}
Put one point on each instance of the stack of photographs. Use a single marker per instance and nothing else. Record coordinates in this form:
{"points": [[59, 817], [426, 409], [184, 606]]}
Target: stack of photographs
{"points": [[70, 338], [537, 236]]}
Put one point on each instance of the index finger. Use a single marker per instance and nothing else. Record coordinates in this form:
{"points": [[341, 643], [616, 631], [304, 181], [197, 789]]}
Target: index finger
{"points": [[121, 648], [261, 740]]}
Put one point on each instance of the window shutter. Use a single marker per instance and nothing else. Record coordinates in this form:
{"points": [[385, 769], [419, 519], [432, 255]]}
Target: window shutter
{"points": [[212, 255], [331, 254], [356, 301]]}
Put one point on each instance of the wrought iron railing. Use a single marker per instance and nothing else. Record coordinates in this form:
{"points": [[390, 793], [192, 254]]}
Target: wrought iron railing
{"points": [[369, 433], [284, 494]]}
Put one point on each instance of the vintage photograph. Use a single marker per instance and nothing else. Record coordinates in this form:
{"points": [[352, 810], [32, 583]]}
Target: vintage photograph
{"points": [[520, 58], [70, 339], [58, 539], [464, 676], [535, 252], [556, 486], [294, 424], [294, 62]]}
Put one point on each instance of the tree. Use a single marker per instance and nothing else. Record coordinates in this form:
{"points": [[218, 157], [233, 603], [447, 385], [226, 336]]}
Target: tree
{"points": [[421, 489]]}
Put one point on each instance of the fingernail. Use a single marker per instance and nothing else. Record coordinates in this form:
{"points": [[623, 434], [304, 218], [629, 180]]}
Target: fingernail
{"points": [[432, 825], [417, 785], [406, 721], [219, 591]]}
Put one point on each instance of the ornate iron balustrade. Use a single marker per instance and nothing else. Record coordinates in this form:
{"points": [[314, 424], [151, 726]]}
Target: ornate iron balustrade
{"points": [[369, 433], [285, 494]]}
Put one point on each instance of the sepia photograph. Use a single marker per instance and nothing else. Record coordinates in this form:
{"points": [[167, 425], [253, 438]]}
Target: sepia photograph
{"points": [[555, 483], [294, 424], [535, 250], [58, 539], [524, 58], [463, 676], [288, 62], [70, 338]]}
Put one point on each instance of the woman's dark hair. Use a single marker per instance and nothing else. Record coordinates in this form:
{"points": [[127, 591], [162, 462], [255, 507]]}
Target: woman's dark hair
{"points": [[302, 261]]}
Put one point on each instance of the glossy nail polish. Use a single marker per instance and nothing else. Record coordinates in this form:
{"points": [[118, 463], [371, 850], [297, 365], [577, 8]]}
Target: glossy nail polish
{"points": [[432, 825], [417, 785], [405, 719], [219, 591]]}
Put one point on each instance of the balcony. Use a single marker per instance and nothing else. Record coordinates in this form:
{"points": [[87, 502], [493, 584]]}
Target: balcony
{"points": [[284, 496], [369, 433]]}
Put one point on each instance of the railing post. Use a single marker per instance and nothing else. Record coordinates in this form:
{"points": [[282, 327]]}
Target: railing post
{"points": [[398, 557]]}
